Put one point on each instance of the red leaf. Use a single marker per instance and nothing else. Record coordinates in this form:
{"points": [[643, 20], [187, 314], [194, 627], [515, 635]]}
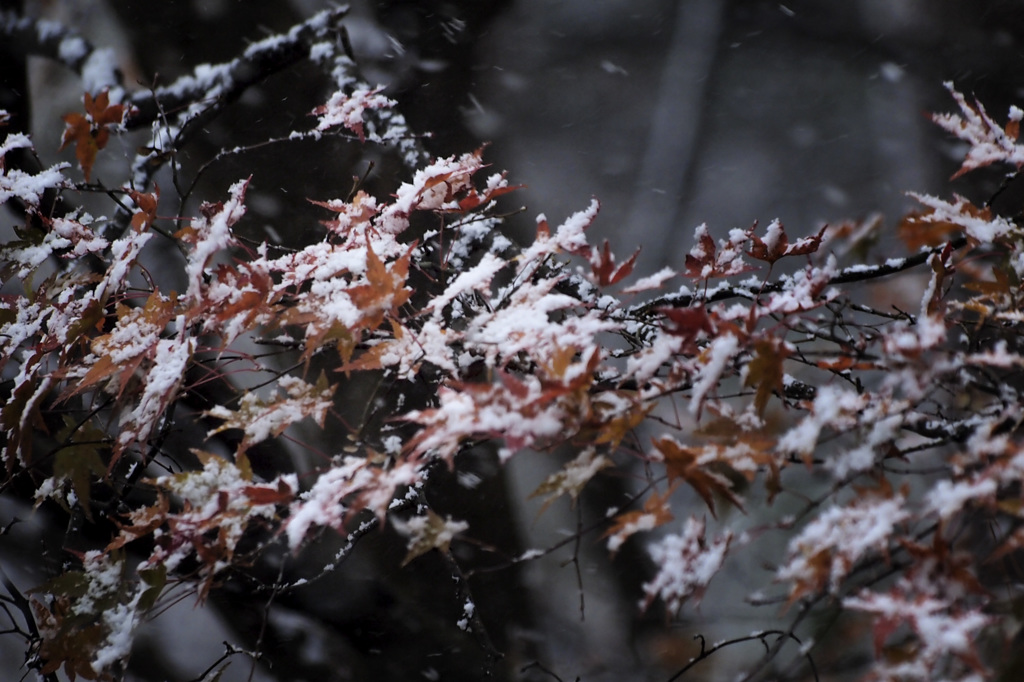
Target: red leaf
{"points": [[606, 272], [264, 495]]}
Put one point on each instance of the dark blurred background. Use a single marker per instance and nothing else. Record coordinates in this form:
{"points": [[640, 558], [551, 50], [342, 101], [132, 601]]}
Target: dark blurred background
{"points": [[672, 114]]}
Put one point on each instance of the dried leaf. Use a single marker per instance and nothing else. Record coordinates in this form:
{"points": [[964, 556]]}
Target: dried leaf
{"points": [[656, 512], [571, 479], [682, 464], [765, 371], [429, 532]]}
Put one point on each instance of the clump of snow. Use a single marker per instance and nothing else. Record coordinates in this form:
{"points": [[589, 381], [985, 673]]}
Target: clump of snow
{"points": [[842, 536], [686, 564], [348, 109], [213, 233], [15, 183], [721, 351], [834, 408], [941, 628]]}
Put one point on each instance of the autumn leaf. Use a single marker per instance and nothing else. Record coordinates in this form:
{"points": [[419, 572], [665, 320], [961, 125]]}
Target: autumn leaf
{"points": [[263, 418], [372, 358], [91, 132], [571, 479], [79, 460], [146, 203], [605, 270], [428, 532], [609, 422], [690, 324], [700, 262], [265, 494], [682, 464], [917, 233], [656, 512], [474, 199], [845, 363], [141, 523], [347, 109], [765, 371], [133, 340], [775, 243], [385, 290]]}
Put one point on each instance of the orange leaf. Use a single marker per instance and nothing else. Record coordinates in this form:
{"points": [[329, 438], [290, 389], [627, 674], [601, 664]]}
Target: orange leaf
{"points": [[147, 208], [385, 290]]}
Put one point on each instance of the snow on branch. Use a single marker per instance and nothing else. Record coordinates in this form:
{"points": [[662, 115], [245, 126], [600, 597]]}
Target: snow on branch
{"points": [[410, 334], [98, 68]]}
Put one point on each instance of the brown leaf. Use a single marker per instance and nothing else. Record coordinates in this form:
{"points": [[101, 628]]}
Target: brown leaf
{"points": [[765, 371], [385, 291], [262, 494], [682, 464], [429, 532], [571, 479], [146, 202]]}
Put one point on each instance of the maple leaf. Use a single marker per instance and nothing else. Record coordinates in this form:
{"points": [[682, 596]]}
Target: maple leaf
{"points": [[741, 453], [989, 142], [828, 547], [656, 512], [605, 271], [684, 464], [281, 493], [775, 244], [700, 261], [571, 479], [79, 460], [263, 418], [385, 290], [91, 132], [141, 522], [916, 231], [160, 384], [614, 414], [928, 616], [691, 324], [211, 233], [238, 299], [980, 224], [133, 340], [428, 532], [347, 109], [359, 211], [765, 370], [406, 351], [496, 186]]}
